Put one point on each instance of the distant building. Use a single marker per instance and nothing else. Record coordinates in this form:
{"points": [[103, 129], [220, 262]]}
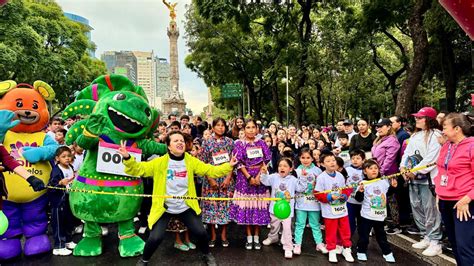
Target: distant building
{"points": [[163, 83], [121, 63], [84, 22], [146, 75]]}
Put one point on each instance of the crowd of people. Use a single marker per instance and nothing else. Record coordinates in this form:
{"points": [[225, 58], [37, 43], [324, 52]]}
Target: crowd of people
{"points": [[323, 171]]}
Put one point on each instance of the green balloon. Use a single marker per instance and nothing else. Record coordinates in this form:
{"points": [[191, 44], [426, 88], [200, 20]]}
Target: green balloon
{"points": [[3, 223], [282, 209]]}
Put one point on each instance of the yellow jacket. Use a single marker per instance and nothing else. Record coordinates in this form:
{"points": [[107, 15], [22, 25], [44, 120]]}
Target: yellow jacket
{"points": [[157, 168]]}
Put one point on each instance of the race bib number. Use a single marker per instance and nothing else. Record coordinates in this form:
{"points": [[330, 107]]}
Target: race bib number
{"points": [[345, 156], [109, 161], [378, 213], [220, 158], [338, 209], [444, 180], [253, 153]]}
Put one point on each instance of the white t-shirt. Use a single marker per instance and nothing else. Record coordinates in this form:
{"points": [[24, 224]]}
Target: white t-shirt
{"points": [[78, 160], [306, 201], [68, 173], [176, 185], [355, 176], [283, 187], [335, 209], [374, 205]]}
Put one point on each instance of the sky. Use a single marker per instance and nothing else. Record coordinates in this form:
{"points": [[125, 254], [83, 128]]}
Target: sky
{"points": [[140, 25]]}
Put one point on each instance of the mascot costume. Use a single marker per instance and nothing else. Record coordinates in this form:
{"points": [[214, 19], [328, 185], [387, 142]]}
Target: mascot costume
{"points": [[32, 148], [119, 111]]}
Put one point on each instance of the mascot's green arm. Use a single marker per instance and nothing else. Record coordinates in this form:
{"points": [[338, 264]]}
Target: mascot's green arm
{"points": [[152, 147], [87, 143]]}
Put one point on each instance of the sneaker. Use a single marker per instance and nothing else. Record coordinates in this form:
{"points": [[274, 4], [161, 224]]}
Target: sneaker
{"points": [[212, 243], [423, 244], [393, 230], [142, 230], [339, 249], [71, 245], [190, 245], [257, 245], [209, 259], [413, 230], [136, 219], [78, 229], [62, 252], [322, 248], [297, 250], [141, 262], [225, 243], [433, 250], [248, 245], [322, 227], [105, 230], [332, 256], [181, 247], [347, 253], [268, 242], [389, 258], [269, 226], [361, 256], [288, 254]]}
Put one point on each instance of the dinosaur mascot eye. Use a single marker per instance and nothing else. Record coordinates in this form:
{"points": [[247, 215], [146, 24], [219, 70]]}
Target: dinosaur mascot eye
{"points": [[119, 97]]}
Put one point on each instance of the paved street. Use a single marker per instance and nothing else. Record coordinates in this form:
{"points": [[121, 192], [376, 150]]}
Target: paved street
{"points": [[233, 255]]}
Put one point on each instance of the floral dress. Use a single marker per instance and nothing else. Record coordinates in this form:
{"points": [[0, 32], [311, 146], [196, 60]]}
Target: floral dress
{"points": [[215, 152], [250, 155]]}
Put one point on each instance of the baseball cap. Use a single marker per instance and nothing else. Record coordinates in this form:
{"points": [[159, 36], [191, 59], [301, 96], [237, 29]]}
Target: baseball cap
{"points": [[426, 111], [347, 122], [383, 122]]}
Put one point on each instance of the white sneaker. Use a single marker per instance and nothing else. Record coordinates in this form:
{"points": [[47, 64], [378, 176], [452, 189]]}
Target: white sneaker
{"points": [[389, 258], [424, 243], [105, 230], [268, 242], [297, 250], [347, 253], [71, 245], [136, 219], [339, 249], [362, 256], [78, 229], [332, 256], [62, 252], [142, 230], [321, 247], [433, 250], [288, 254]]}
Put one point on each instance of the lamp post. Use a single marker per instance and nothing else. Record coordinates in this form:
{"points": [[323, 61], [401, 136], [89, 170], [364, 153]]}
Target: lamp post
{"points": [[287, 80]]}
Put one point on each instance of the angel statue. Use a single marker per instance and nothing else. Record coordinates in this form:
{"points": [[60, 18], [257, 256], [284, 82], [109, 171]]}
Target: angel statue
{"points": [[172, 8]]}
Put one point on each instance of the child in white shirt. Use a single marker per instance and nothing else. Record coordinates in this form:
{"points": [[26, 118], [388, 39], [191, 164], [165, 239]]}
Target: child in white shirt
{"points": [[373, 196], [284, 186], [354, 177]]}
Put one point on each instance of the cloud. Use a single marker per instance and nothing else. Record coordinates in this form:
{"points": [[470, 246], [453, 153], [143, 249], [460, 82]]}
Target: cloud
{"points": [[140, 25]]}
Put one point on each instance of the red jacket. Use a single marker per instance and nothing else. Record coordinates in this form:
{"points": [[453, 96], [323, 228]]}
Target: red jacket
{"points": [[459, 170]]}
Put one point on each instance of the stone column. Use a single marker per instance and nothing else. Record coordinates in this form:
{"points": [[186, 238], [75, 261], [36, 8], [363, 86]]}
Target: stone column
{"points": [[173, 34]]}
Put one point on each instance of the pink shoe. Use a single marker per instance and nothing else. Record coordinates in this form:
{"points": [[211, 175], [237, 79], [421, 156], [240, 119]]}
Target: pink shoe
{"points": [[297, 249]]}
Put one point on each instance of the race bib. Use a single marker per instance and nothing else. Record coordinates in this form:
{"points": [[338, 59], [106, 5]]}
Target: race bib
{"points": [[338, 209], [253, 153], [109, 161], [220, 158], [378, 213], [444, 180]]}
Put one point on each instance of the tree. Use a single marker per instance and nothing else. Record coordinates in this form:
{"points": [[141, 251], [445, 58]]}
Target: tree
{"points": [[38, 42]]}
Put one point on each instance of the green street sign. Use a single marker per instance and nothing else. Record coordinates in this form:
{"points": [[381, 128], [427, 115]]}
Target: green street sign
{"points": [[231, 91]]}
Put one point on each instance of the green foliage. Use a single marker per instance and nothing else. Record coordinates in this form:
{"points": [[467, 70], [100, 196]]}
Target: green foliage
{"points": [[38, 42]]}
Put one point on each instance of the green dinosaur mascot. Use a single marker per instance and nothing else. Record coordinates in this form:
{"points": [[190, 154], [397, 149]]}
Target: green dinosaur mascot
{"points": [[117, 111]]}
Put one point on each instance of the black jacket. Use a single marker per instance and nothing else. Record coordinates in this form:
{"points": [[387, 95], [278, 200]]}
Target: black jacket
{"points": [[57, 197]]}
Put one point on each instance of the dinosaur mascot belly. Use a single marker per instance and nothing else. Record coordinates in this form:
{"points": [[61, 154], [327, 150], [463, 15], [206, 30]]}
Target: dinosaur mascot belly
{"points": [[32, 148], [116, 110]]}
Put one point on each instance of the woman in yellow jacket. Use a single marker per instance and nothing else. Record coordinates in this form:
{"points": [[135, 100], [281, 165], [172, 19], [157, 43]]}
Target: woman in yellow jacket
{"points": [[173, 175]]}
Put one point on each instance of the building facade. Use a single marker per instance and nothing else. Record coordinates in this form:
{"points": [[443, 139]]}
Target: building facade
{"points": [[84, 21], [122, 63], [146, 75]]}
